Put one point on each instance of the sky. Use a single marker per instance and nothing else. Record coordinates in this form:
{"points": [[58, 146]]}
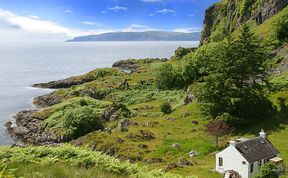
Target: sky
{"points": [[58, 20]]}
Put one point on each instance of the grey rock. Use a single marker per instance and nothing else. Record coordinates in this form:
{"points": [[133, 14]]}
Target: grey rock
{"points": [[123, 125], [192, 153], [175, 145]]}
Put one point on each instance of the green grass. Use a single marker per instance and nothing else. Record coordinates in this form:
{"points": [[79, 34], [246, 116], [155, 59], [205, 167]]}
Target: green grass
{"points": [[69, 157], [279, 82], [59, 171]]}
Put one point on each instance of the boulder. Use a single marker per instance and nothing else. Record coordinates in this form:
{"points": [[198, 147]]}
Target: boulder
{"points": [[192, 153], [175, 145], [195, 122], [123, 125], [150, 124]]}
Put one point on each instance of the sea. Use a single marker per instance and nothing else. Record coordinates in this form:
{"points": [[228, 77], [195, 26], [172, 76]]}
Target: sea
{"points": [[24, 64]]}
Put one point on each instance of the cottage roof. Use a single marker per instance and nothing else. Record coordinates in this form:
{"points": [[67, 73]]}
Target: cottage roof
{"points": [[256, 149]]}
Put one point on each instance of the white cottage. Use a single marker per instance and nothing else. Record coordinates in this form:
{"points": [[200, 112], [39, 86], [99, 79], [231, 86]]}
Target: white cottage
{"points": [[246, 156]]}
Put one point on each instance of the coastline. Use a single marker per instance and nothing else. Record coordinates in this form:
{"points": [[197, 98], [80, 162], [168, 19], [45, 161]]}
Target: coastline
{"points": [[28, 128]]}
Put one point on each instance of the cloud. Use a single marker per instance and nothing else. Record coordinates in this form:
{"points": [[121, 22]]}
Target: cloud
{"points": [[118, 8], [92, 23], [34, 17], [68, 11], [34, 25], [137, 28], [15, 28], [187, 30], [166, 11]]}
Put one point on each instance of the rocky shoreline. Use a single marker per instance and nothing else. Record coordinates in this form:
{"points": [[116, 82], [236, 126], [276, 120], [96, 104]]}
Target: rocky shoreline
{"points": [[29, 130]]}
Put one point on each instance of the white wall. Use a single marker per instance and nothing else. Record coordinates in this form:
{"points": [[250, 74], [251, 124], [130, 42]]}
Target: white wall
{"points": [[256, 168], [232, 160]]}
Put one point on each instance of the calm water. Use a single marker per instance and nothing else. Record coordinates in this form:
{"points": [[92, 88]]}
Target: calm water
{"points": [[22, 65]]}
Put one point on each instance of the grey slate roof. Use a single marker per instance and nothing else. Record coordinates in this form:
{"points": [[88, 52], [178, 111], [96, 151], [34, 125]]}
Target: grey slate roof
{"points": [[257, 149]]}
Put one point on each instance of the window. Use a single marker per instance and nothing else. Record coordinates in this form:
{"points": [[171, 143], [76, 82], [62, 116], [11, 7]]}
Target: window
{"points": [[220, 161], [251, 167], [260, 163]]}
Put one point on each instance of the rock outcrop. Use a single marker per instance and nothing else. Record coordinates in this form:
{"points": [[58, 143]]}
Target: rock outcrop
{"points": [[65, 83], [30, 131], [233, 13], [46, 100], [282, 66]]}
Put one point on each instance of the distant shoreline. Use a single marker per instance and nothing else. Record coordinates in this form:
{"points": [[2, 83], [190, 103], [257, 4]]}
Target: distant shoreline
{"points": [[140, 36]]}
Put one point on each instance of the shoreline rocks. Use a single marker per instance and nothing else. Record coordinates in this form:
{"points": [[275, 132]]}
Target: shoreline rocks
{"points": [[64, 83], [29, 130], [46, 100]]}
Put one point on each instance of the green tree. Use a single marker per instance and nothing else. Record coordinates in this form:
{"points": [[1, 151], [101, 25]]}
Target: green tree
{"points": [[200, 63], [181, 52], [81, 121], [167, 77], [267, 171], [236, 78], [281, 27]]}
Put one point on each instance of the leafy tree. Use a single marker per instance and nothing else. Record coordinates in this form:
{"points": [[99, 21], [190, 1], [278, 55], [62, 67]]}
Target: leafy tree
{"points": [[166, 108], [267, 171], [181, 52], [200, 63], [236, 77], [281, 27], [218, 128], [167, 77], [81, 121]]}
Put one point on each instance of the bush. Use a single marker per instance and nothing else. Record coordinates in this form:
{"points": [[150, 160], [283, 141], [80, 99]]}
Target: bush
{"points": [[166, 108], [281, 27], [267, 171], [246, 4], [81, 121], [167, 77], [181, 52]]}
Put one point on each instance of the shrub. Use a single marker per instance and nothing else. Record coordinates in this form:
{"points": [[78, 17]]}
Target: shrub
{"points": [[167, 77], [281, 27], [246, 4], [166, 108], [267, 171], [181, 52], [81, 121]]}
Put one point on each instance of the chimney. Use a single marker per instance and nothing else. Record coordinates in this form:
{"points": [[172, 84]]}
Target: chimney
{"points": [[232, 143], [262, 134]]}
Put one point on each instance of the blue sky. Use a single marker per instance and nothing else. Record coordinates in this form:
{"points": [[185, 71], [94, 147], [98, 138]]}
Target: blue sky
{"points": [[69, 18]]}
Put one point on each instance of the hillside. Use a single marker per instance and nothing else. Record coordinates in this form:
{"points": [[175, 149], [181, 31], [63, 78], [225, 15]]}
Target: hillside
{"points": [[228, 15], [140, 36], [152, 112]]}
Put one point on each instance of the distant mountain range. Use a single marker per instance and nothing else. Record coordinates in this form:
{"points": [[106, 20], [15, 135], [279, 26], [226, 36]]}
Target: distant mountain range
{"points": [[140, 36]]}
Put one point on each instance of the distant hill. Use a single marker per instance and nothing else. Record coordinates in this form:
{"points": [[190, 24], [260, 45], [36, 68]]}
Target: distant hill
{"points": [[140, 36]]}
